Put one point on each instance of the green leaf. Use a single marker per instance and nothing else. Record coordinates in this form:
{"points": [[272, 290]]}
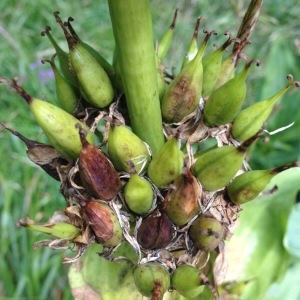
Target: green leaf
{"points": [[94, 277], [256, 251]]}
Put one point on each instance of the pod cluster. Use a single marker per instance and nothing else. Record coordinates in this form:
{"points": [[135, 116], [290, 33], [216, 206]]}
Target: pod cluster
{"points": [[175, 208]]}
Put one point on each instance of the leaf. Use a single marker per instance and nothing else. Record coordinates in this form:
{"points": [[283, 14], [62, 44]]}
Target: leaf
{"points": [[256, 252], [109, 280]]}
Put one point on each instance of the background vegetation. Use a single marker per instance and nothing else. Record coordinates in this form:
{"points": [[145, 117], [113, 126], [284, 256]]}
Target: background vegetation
{"points": [[25, 190]]}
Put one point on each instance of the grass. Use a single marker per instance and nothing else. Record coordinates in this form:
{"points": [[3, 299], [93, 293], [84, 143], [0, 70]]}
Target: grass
{"points": [[25, 190]]}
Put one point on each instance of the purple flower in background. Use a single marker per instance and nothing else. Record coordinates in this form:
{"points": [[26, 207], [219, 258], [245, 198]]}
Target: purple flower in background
{"points": [[44, 74]]}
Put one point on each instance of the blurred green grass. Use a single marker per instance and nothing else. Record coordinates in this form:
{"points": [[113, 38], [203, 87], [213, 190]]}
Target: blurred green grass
{"points": [[26, 190]]}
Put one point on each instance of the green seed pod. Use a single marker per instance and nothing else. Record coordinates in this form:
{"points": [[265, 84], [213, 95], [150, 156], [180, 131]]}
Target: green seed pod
{"points": [[138, 194], [103, 221], [59, 230], [97, 173], [152, 279], [66, 92], [212, 66], [165, 43], [206, 232], [100, 59], [182, 199], [217, 166], [58, 125], [90, 75], [124, 146], [227, 70], [250, 120], [225, 102], [166, 164], [183, 94], [193, 48], [62, 57], [187, 282], [249, 185]]}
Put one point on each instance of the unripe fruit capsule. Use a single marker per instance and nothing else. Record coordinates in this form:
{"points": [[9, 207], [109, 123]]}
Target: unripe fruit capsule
{"points": [[138, 194], [186, 281], [152, 279], [206, 232]]}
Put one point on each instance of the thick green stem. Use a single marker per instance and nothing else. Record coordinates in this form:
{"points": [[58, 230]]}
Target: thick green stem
{"points": [[132, 26]]}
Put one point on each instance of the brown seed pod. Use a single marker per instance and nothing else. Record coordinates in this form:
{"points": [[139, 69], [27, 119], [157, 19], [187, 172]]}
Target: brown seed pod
{"points": [[97, 173], [155, 232], [103, 221], [181, 201]]}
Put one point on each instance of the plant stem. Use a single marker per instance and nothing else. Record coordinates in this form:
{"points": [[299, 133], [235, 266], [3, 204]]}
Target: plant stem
{"points": [[132, 26]]}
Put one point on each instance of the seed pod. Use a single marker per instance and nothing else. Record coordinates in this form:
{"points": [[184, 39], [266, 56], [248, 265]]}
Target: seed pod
{"points": [[100, 59], [66, 92], [250, 120], [103, 221], [138, 194], [227, 70], [124, 146], [187, 282], [212, 66], [193, 48], [60, 230], [91, 77], [57, 124], [225, 102], [183, 94], [165, 43], [62, 57], [248, 185], [97, 173], [166, 164], [217, 166], [152, 279], [155, 232], [182, 200], [206, 232]]}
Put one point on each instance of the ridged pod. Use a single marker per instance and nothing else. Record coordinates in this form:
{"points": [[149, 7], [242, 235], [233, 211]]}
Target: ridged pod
{"points": [[152, 279], [224, 103], [187, 282], [103, 221], [62, 57], [165, 42], [138, 194], [182, 200], [247, 186], [251, 119], [183, 94], [60, 230], [206, 232], [212, 63], [67, 94], [97, 173], [100, 59], [58, 125], [193, 47], [124, 146], [217, 166], [167, 164], [92, 78]]}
